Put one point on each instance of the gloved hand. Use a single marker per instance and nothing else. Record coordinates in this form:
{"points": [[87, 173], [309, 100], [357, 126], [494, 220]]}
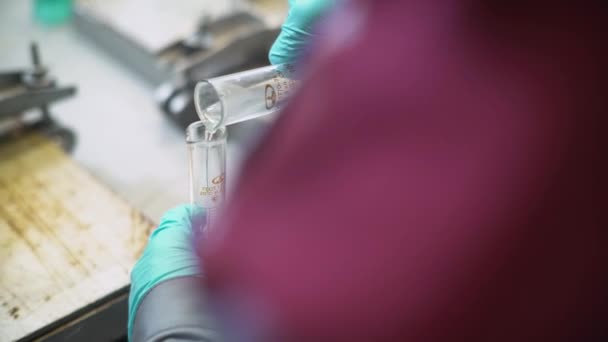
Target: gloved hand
{"points": [[297, 29], [169, 254]]}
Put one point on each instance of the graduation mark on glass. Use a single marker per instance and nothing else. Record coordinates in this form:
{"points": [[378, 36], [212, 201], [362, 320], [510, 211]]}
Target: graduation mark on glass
{"points": [[229, 99], [207, 169]]}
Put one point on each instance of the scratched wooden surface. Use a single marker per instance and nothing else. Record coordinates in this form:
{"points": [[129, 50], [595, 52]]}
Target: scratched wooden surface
{"points": [[65, 240]]}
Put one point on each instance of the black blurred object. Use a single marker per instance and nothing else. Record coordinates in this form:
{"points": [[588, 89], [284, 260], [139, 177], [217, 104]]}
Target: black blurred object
{"points": [[22, 91], [236, 41], [102, 321], [176, 96]]}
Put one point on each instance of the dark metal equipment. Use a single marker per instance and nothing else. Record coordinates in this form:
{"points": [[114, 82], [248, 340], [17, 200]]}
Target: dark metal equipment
{"points": [[24, 91], [232, 42], [175, 96]]}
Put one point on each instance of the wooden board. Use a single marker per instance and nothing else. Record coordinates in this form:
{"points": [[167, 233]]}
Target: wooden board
{"points": [[65, 239]]}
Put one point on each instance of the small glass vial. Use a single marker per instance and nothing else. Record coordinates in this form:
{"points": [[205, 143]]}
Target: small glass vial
{"points": [[229, 99], [207, 169]]}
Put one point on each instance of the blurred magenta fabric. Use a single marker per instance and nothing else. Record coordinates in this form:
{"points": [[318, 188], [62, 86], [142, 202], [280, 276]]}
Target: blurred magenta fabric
{"points": [[440, 176]]}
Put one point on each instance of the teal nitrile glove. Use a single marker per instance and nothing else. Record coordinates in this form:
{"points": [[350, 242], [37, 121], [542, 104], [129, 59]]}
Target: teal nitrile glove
{"points": [[169, 254], [297, 29]]}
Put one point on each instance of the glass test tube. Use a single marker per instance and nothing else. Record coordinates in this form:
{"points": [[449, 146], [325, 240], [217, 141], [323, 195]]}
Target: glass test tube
{"points": [[229, 99], [207, 169]]}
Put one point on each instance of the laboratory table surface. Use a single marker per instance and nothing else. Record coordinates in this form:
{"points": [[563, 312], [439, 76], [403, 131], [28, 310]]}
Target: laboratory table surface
{"points": [[123, 139]]}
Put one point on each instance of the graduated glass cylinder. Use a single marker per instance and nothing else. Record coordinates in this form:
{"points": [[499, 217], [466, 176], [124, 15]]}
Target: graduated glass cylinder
{"points": [[229, 99], [207, 169]]}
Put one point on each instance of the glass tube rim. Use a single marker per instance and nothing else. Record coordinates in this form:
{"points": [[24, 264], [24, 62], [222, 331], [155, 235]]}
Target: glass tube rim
{"points": [[207, 85], [194, 135]]}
